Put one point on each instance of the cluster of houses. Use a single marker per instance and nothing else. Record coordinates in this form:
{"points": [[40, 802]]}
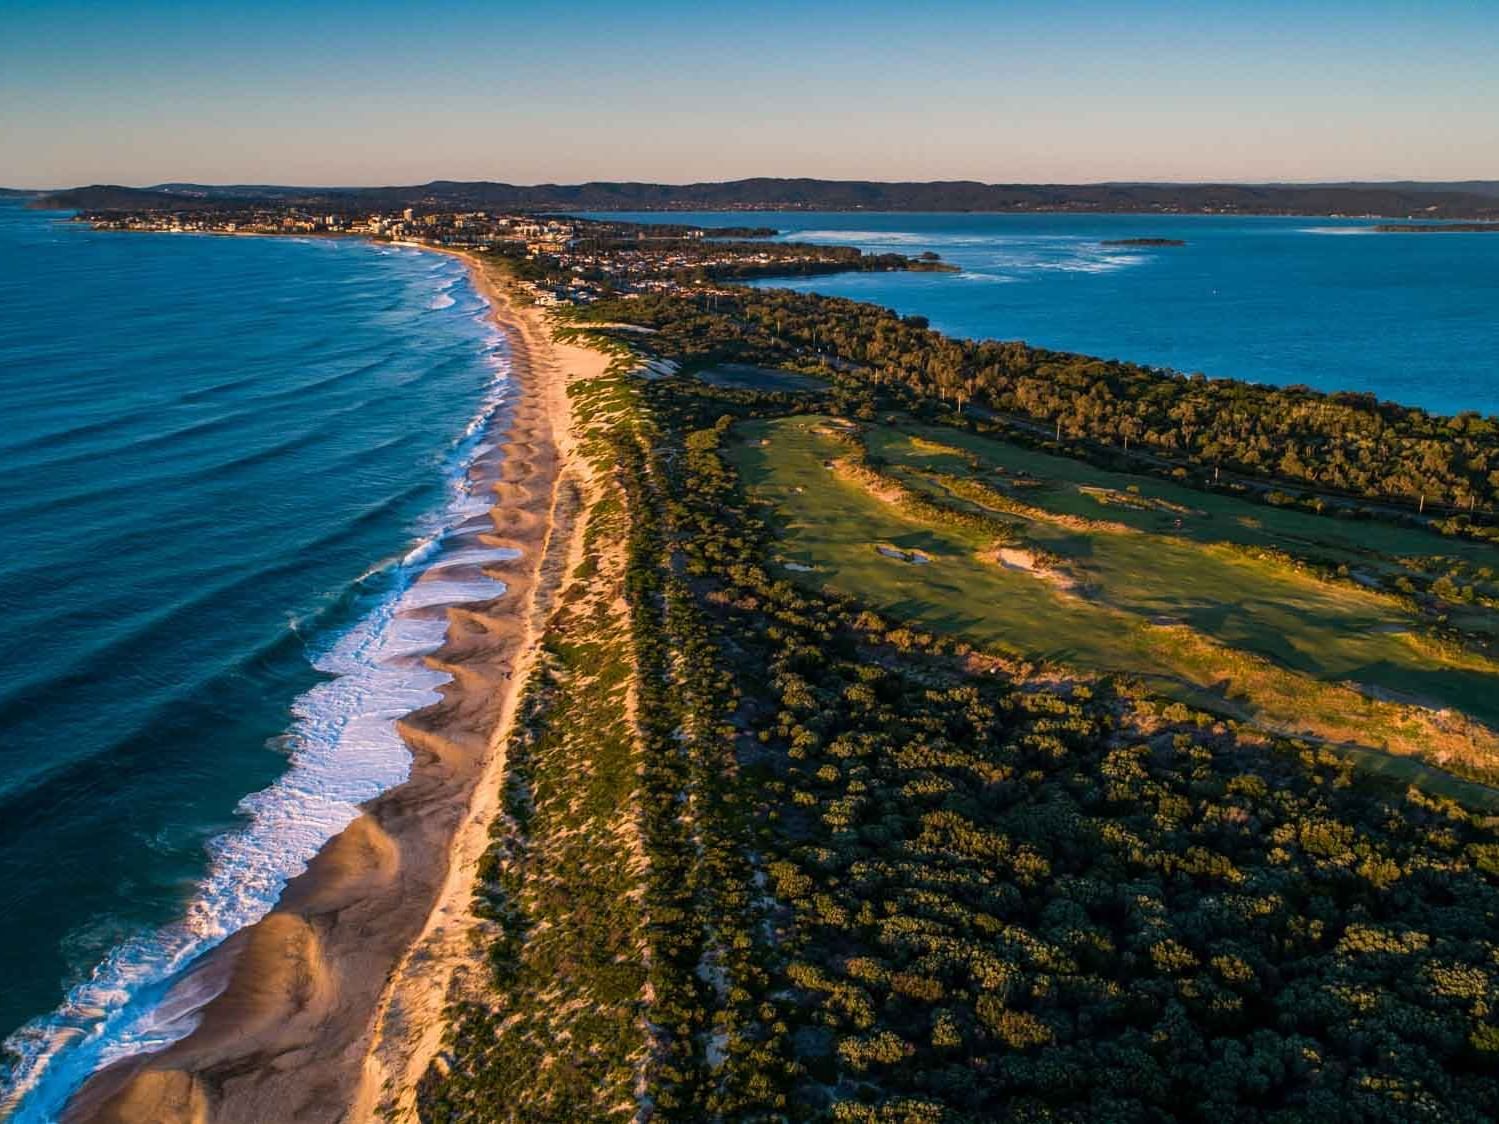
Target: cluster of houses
{"points": [[208, 222], [471, 229], [581, 260]]}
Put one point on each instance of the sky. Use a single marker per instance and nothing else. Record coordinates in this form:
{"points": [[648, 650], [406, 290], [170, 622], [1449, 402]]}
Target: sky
{"points": [[1065, 91]]}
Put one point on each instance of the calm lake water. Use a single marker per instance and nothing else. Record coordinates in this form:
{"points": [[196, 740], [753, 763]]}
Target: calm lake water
{"points": [[223, 461], [1413, 318]]}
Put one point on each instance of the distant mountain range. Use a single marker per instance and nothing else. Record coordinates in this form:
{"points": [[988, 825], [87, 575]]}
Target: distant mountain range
{"points": [[1477, 199], [1468, 187]]}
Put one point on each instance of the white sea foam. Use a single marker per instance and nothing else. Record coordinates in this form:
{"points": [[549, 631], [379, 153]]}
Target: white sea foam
{"points": [[1014, 260], [892, 238], [343, 751], [994, 257], [444, 298]]}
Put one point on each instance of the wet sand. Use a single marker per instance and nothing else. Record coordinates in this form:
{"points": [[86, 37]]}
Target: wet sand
{"points": [[330, 1007]]}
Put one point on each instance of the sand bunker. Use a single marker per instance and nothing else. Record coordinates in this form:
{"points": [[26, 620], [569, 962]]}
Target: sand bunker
{"points": [[1029, 562]]}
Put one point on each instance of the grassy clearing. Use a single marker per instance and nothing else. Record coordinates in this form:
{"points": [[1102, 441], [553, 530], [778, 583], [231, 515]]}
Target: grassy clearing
{"points": [[1190, 566], [1074, 487], [739, 376], [1251, 636]]}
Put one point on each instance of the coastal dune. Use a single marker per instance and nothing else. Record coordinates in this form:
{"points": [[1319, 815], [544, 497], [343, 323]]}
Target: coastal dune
{"points": [[330, 1007]]}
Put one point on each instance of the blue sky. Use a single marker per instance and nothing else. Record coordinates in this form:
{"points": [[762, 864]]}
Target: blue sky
{"points": [[385, 92]]}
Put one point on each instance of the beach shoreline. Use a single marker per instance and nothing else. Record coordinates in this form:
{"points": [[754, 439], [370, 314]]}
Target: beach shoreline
{"points": [[331, 1006]]}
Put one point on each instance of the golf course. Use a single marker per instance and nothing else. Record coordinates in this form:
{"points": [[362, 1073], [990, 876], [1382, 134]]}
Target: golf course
{"points": [[1278, 618]]}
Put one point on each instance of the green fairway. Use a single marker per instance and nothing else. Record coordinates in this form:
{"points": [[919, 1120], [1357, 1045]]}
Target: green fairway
{"points": [[1161, 589], [1074, 487], [739, 376]]}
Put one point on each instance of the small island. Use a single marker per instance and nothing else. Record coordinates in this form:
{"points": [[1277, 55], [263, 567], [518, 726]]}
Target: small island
{"points": [[1143, 242], [1437, 227]]}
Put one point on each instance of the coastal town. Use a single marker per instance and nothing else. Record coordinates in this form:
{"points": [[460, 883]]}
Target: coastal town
{"points": [[558, 259]]}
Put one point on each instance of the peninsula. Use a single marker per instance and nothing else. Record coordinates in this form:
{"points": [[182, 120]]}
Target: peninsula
{"points": [[959, 629], [833, 753]]}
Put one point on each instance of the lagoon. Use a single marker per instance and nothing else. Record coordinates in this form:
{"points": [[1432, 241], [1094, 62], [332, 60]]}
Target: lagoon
{"points": [[1328, 303]]}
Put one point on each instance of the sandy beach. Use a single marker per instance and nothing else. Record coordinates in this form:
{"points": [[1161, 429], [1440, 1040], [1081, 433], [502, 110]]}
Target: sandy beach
{"points": [[330, 1008]]}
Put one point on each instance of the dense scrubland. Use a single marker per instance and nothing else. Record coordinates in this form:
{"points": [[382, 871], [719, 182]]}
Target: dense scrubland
{"points": [[779, 845]]}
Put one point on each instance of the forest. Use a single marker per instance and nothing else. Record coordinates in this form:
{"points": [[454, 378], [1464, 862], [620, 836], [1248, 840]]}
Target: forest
{"points": [[1016, 899], [886, 876], [1324, 447], [837, 865]]}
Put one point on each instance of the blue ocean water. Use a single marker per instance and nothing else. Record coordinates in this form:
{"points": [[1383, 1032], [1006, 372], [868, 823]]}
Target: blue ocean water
{"points": [[229, 470], [1412, 318]]}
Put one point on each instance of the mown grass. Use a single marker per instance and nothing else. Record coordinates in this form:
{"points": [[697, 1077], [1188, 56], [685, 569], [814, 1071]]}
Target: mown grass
{"points": [[740, 376], [1219, 517], [1181, 605]]}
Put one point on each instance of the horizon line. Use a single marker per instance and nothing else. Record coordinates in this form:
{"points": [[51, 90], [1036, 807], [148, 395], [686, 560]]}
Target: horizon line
{"points": [[1314, 182]]}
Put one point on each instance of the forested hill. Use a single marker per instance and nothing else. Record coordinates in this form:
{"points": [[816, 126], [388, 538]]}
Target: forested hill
{"points": [[1466, 187], [820, 195]]}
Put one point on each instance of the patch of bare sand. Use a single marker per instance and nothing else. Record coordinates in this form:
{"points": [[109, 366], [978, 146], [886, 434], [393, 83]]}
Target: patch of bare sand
{"points": [[1028, 561]]}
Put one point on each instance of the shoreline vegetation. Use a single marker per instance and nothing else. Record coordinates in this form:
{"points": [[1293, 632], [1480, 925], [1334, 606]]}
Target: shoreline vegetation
{"points": [[892, 875], [692, 838]]}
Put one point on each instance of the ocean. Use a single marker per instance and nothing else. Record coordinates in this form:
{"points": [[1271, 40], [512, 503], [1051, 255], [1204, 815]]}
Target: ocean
{"points": [[1327, 303], [223, 462]]}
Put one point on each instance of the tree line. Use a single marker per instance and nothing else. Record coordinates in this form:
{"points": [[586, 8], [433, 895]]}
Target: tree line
{"points": [[1328, 444]]}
